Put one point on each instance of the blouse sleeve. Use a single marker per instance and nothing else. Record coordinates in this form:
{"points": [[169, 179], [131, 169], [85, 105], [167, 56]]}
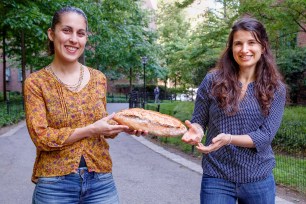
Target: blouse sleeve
{"points": [[263, 136], [44, 137], [111, 122], [201, 110]]}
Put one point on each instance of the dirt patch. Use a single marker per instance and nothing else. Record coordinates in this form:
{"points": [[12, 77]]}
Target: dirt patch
{"points": [[282, 191]]}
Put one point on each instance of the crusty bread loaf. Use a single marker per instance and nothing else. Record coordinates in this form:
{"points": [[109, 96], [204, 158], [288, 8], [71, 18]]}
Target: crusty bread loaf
{"points": [[155, 123]]}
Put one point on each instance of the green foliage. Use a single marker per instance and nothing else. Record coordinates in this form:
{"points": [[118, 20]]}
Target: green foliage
{"points": [[190, 52], [283, 19], [181, 109], [292, 63], [291, 137], [173, 37], [184, 4], [11, 112], [119, 34], [30, 18], [191, 55]]}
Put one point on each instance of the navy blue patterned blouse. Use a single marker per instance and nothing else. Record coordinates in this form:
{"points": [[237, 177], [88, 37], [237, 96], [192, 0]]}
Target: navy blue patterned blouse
{"points": [[233, 163]]}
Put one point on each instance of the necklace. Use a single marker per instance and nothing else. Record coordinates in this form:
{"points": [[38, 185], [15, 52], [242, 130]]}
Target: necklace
{"points": [[74, 87]]}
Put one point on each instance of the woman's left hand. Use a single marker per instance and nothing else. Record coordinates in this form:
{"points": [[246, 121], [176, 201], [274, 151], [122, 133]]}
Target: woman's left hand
{"points": [[216, 143]]}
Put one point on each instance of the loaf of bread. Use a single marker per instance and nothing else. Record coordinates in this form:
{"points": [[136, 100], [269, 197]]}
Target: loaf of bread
{"points": [[155, 123]]}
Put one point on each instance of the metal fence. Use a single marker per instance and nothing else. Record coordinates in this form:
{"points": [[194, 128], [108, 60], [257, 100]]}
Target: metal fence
{"points": [[289, 146]]}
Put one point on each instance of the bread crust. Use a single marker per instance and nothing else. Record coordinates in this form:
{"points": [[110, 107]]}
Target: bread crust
{"points": [[155, 123]]}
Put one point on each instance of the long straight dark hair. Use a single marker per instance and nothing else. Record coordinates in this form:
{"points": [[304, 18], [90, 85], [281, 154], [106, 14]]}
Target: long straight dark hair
{"points": [[226, 87]]}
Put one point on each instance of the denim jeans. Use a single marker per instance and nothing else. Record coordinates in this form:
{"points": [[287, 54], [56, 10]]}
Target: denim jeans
{"points": [[76, 188], [220, 191]]}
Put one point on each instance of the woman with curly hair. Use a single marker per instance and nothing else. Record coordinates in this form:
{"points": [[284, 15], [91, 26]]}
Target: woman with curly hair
{"points": [[239, 106]]}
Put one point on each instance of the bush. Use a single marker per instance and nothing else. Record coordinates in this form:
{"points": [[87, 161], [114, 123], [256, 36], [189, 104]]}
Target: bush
{"points": [[291, 136], [292, 63], [11, 112]]}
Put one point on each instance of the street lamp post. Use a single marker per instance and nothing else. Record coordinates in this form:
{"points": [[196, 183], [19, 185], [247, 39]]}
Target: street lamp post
{"points": [[144, 62]]}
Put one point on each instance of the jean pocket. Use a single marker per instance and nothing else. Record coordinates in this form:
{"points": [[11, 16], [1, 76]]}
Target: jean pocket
{"points": [[104, 176], [50, 180]]}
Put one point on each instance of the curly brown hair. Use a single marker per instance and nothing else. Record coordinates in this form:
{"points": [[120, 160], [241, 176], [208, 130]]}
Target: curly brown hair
{"points": [[226, 87]]}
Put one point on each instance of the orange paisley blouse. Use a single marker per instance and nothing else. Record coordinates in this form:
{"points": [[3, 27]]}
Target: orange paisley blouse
{"points": [[52, 114]]}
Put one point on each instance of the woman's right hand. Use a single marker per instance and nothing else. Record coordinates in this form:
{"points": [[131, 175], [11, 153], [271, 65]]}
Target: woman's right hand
{"points": [[194, 134], [102, 127]]}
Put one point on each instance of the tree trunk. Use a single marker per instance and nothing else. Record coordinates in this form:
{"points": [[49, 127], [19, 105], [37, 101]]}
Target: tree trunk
{"points": [[165, 85], [23, 60], [4, 66], [225, 9], [131, 74]]}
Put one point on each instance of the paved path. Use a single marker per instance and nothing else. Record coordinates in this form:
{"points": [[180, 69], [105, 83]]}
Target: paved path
{"points": [[144, 172]]}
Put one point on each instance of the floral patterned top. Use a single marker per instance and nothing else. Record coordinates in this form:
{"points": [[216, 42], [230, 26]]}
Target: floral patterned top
{"points": [[53, 112]]}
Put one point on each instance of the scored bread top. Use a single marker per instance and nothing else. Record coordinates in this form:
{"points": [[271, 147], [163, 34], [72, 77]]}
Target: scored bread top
{"points": [[154, 122]]}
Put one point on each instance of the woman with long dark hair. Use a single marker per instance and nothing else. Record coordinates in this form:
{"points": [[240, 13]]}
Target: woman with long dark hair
{"points": [[239, 106]]}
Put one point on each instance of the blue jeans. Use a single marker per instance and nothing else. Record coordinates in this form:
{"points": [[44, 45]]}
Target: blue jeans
{"points": [[220, 191], [76, 188]]}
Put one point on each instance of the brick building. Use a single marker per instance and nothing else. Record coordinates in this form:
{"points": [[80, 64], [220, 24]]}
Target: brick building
{"points": [[13, 78]]}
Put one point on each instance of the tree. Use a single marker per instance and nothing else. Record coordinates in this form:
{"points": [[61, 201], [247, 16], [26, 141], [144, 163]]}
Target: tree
{"points": [[283, 19], [17, 27], [173, 32], [119, 37], [292, 63], [119, 34], [195, 50]]}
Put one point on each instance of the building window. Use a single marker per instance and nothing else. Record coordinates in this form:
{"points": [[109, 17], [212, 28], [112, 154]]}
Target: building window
{"points": [[20, 75], [7, 74]]}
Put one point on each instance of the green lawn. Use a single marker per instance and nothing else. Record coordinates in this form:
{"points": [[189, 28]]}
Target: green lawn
{"points": [[291, 172]]}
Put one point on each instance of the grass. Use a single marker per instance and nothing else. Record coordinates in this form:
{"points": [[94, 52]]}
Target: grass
{"points": [[291, 136], [180, 110], [294, 113], [290, 172]]}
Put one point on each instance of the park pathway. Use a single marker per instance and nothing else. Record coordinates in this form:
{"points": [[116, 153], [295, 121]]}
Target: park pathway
{"points": [[144, 173]]}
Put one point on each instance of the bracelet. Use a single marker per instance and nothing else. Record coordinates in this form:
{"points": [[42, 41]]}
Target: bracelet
{"points": [[230, 140], [199, 127]]}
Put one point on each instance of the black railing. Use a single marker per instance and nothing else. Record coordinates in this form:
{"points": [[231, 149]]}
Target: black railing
{"points": [[11, 112]]}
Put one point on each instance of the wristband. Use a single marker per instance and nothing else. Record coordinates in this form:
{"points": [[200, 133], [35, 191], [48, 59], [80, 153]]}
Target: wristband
{"points": [[230, 139]]}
